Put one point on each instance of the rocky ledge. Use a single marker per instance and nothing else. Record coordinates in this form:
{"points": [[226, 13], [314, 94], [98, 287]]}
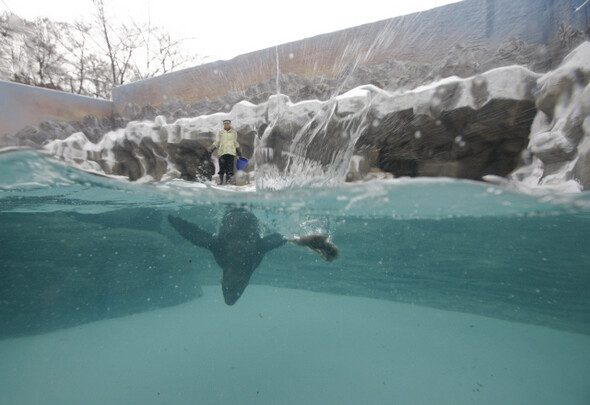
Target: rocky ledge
{"points": [[559, 145], [508, 121]]}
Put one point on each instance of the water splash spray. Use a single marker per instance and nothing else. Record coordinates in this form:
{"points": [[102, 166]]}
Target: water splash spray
{"points": [[278, 71], [310, 144]]}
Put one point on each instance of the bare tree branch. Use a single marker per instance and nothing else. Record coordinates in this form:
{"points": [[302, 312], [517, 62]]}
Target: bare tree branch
{"points": [[87, 58]]}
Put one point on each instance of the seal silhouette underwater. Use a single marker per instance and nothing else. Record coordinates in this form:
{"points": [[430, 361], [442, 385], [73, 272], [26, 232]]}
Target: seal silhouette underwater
{"points": [[238, 248]]}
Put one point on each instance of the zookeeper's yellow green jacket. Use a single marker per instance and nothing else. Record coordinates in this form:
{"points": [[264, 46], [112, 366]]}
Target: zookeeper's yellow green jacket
{"points": [[227, 142]]}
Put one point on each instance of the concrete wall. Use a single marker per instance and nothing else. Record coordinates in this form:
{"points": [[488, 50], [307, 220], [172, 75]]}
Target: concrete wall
{"points": [[421, 37], [22, 105]]}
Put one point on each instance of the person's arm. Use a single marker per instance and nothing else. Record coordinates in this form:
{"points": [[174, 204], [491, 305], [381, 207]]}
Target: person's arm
{"points": [[215, 144]]}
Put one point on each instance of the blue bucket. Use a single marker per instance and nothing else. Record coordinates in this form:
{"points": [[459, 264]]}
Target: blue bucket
{"points": [[242, 163]]}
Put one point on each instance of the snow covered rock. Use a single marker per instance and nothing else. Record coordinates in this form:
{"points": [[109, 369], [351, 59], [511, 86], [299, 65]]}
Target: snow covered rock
{"points": [[560, 135], [455, 127]]}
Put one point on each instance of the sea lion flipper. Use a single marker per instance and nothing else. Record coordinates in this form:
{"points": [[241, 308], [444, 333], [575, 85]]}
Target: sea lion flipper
{"points": [[192, 232], [319, 244], [272, 241]]}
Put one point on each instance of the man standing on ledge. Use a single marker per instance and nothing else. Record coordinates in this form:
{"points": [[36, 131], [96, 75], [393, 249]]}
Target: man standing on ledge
{"points": [[227, 145]]}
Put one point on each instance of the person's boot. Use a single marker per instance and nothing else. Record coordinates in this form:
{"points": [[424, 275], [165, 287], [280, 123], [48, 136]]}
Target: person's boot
{"points": [[228, 179], [220, 180]]}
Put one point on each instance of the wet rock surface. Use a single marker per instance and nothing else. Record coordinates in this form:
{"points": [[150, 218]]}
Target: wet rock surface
{"points": [[560, 134], [462, 143], [464, 128], [458, 127]]}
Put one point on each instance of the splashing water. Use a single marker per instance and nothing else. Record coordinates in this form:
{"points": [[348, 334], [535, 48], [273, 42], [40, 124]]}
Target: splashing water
{"points": [[321, 150]]}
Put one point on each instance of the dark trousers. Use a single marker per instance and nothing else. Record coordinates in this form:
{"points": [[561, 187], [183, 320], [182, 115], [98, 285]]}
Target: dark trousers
{"points": [[226, 165]]}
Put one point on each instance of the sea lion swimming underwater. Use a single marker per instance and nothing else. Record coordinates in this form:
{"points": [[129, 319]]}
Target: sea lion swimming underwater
{"points": [[238, 248]]}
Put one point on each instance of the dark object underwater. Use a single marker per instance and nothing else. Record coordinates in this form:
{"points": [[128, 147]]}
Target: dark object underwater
{"points": [[238, 248]]}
